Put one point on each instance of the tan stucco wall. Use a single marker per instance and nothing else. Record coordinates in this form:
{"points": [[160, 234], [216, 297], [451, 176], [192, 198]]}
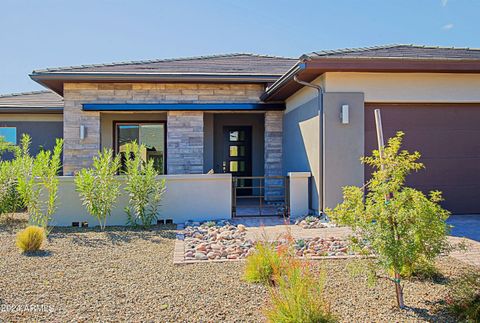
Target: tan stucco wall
{"points": [[407, 87], [208, 196], [304, 95]]}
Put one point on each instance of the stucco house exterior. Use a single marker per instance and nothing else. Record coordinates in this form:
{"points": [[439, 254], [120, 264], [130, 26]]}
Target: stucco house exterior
{"points": [[266, 116]]}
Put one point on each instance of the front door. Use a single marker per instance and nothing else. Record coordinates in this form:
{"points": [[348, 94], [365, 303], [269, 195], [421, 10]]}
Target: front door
{"points": [[237, 155]]}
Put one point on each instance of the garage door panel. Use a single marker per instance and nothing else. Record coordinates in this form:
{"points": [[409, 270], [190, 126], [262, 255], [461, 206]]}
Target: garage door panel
{"points": [[448, 138]]}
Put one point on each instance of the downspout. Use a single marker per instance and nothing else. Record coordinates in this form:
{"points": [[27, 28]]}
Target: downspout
{"points": [[321, 114]]}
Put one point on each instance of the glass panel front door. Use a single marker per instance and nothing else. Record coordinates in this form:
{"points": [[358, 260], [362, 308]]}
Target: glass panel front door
{"points": [[237, 155], [151, 135]]}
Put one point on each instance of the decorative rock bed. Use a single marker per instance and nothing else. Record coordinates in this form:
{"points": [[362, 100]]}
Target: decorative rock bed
{"points": [[314, 222], [224, 241]]}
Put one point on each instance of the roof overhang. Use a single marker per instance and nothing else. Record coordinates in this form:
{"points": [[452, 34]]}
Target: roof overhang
{"points": [[55, 80], [310, 68], [183, 107]]}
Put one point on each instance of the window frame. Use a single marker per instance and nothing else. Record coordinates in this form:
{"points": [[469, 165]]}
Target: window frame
{"points": [[117, 123]]}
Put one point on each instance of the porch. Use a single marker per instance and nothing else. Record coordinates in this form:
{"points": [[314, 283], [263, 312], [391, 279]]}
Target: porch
{"points": [[247, 145]]}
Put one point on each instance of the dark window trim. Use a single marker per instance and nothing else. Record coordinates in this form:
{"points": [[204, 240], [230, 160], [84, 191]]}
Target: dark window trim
{"points": [[140, 122]]}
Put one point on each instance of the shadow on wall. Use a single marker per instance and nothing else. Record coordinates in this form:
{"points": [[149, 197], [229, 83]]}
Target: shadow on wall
{"points": [[301, 142]]}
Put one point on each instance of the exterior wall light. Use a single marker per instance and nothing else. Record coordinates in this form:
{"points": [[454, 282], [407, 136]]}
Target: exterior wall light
{"points": [[344, 114], [82, 132]]}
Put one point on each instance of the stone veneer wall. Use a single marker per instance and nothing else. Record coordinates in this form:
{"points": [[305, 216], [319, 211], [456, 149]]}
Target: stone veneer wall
{"points": [[273, 155], [79, 153], [185, 142]]}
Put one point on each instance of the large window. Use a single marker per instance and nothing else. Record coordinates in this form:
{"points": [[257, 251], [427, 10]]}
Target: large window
{"points": [[9, 134], [151, 135]]}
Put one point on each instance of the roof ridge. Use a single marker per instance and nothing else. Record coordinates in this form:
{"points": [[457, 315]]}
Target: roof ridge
{"points": [[367, 48], [24, 93], [146, 61]]}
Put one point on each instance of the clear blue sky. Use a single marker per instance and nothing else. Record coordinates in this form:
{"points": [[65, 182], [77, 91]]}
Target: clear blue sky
{"points": [[37, 34]]}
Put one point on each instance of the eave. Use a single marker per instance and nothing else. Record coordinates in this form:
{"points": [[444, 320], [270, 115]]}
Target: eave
{"points": [[104, 107], [55, 80], [310, 68]]}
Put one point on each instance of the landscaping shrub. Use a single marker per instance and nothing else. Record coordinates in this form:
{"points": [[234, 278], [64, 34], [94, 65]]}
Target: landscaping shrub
{"points": [[30, 239], [10, 199], [403, 227], [264, 264], [97, 186], [464, 298], [298, 298], [38, 181], [145, 191]]}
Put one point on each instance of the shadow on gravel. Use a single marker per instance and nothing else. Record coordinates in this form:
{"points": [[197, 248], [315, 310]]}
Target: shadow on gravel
{"points": [[113, 235], [424, 314], [38, 254]]}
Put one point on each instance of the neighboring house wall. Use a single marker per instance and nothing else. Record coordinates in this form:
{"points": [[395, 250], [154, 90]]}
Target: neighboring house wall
{"points": [[407, 87], [43, 130], [78, 153]]}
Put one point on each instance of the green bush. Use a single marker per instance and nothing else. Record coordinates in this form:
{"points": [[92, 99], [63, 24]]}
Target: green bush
{"points": [[464, 298], [298, 298], [145, 191], [38, 181], [97, 186], [10, 199], [264, 264], [30, 239]]}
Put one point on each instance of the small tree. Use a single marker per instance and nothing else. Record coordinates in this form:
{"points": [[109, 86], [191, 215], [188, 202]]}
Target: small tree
{"points": [[402, 225], [98, 187], [38, 181], [145, 191]]}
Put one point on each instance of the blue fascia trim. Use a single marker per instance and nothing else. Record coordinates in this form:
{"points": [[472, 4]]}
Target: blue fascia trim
{"points": [[183, 107]]}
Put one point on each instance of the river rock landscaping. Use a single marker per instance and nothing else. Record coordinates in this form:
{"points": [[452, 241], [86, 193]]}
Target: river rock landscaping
{"points": [[314, 222], [224, 241]]}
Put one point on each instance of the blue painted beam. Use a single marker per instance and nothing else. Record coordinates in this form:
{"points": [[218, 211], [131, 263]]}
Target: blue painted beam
{"points": [[184, 107]]}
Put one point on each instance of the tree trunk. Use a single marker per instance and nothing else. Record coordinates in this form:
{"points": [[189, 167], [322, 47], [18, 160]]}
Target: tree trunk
{"points": [[399, 291]]}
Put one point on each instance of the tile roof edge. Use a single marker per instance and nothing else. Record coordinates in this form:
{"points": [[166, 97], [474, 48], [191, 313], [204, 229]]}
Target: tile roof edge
{"points": [[13, 94], [139, 62]]}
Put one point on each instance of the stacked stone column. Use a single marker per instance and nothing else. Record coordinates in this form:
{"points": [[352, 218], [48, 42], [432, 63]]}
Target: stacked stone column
{"points": [[273, 153]]}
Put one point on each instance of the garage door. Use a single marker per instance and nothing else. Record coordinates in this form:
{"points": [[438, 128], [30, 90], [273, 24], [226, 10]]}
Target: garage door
{"points": [[447, 136]]}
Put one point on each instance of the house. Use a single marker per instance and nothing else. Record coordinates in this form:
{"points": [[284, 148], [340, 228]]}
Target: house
{"points": [[261, 117]]}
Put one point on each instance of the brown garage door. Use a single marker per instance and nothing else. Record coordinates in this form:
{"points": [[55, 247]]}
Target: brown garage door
{"points": [[448, 137]]}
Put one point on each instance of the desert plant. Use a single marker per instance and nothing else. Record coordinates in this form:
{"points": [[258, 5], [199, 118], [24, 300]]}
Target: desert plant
{"points": [[145, 191], [298, 297], [401, 224], [464, 297], [264, 264], [30, 239], [97, 186], [38, 181], [10, 199]]}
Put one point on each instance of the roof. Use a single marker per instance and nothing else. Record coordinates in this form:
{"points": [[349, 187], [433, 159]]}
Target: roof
{"points": [[386, 59], [227, 68], [399, 51], [237, 63], [36, 101]]}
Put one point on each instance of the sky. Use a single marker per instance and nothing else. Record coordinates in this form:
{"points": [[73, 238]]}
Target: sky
{"points": [[50, 33]]}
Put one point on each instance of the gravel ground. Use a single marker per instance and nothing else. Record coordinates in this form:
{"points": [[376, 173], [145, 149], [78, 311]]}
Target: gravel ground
{"points": [[128, 275]]}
